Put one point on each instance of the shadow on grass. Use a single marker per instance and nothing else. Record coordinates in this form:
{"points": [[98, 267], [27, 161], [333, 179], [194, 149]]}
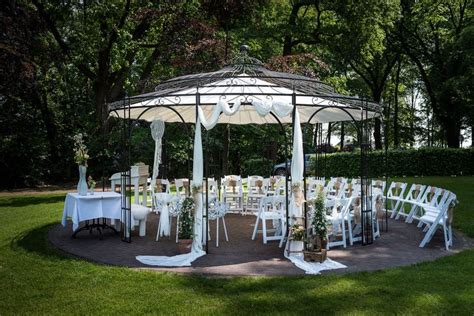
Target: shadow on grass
{"points": [[36, 241], [21, 201]]}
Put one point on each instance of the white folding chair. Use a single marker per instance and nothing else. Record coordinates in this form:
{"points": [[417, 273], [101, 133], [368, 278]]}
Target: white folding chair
{"points": [[271, 208], [428, 198], [217, 212], [233, 193], [395, 196], [414, 195], [436, 216], [338, 221], [256, 190]]}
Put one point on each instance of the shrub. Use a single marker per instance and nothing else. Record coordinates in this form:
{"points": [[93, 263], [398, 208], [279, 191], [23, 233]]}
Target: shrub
{"points": [[412, 162]]}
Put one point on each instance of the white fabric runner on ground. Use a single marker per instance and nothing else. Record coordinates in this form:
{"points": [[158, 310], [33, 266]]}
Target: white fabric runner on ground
{"points": [[183, 260], [314, 267]]}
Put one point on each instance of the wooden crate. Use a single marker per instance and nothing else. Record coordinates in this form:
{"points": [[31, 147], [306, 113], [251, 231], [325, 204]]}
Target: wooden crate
{"points": [[315, 256]]}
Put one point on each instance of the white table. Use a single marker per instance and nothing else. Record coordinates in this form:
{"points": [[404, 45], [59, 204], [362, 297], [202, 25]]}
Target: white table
{"points": [[90, 207]]}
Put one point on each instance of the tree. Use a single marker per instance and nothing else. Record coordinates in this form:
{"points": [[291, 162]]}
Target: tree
{"points": [[435, 36]]}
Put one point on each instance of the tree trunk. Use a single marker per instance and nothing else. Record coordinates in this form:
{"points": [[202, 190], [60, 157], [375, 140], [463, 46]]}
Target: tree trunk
{"points": [[396, 136], [377, 97], [329, 136], [453, 130]]}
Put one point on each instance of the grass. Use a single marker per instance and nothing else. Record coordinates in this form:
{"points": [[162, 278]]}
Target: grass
{"points": [[36, 279]]}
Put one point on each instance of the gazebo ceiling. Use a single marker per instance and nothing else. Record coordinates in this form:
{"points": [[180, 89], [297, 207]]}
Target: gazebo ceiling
{"points": [[245, 80]]}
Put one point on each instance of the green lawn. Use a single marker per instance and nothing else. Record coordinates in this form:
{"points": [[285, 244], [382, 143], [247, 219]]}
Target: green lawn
{"points": [[36, 279]]}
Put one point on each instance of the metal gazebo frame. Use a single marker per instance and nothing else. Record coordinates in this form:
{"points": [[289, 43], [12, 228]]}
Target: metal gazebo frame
{"points": [[169, 97]]}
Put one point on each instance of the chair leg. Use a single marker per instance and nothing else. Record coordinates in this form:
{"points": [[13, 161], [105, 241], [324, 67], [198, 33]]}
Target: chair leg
{"points": [[255, 228], [217, 232], [158, 232], [349, 227], [264, 230], [429, 234], [411, 214], [450, 234], [208, 231], [225, 229], [400, 211], [177, 228], [343, 224], [171, 219], [446, 240]]}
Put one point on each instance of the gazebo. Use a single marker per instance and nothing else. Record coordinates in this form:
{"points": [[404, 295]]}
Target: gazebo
{"points": [[245, 92]]}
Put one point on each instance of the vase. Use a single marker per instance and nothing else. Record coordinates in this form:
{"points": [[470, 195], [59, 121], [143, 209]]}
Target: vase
{"points": [[91, 190], [296, 246], [82, 184]]}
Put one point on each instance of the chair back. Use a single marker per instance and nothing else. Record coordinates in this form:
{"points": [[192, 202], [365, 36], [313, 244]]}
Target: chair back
{"points": [[182, 187], [396, 189], [415, 194], [276, 203], [379, 184], [430, 195], [232, 184], [255, 185]]}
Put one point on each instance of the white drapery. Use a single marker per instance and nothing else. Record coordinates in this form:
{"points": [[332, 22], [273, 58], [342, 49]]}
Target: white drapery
{"points": [[196, 185], [157, 131], [280, 109]]}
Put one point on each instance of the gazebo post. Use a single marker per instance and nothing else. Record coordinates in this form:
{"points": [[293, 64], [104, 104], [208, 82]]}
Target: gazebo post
{"points": [[125, 176], [366, 187]]}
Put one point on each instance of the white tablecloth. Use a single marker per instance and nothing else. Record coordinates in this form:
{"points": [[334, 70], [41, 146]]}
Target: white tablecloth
{"points": [[99, 205]]}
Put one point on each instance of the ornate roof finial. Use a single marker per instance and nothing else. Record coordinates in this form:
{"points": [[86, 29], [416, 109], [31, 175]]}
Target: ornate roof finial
{"points": [[244, 49]]}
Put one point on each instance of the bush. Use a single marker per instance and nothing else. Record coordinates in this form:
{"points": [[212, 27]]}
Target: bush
{"points": [[257, 166], [413, 162]]}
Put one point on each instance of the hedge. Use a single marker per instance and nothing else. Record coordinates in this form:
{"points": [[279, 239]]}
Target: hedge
{"points": [[412, 162]]}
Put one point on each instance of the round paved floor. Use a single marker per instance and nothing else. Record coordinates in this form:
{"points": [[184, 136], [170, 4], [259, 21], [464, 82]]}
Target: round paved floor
{"points": [[243, 256]]}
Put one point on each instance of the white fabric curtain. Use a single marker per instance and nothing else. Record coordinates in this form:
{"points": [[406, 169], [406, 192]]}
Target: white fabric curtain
{"points": [[197, 193], [297, 166], [157, 131], [280, 109]]}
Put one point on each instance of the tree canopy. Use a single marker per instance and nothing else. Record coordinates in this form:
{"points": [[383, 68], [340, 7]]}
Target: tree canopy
{"points": [[63, 61]]}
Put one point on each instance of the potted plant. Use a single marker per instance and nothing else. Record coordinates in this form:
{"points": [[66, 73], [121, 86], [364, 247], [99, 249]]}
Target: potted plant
{"points": [[186, 223], [319, 222], [296, 238]]}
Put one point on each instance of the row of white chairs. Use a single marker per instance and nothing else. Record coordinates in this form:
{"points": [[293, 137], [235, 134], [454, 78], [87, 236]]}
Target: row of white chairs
{"points": [[431, 206], [426, 204]]}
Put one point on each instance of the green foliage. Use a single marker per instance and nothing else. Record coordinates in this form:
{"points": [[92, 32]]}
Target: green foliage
{"points": [[413, 162], [319, 222], [257, 166], [186, 219]]}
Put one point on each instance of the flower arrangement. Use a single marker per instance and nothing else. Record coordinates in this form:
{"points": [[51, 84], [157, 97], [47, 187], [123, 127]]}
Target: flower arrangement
{"points": [[297, 232], [186, 219], [80, 150], [91, 183]]}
